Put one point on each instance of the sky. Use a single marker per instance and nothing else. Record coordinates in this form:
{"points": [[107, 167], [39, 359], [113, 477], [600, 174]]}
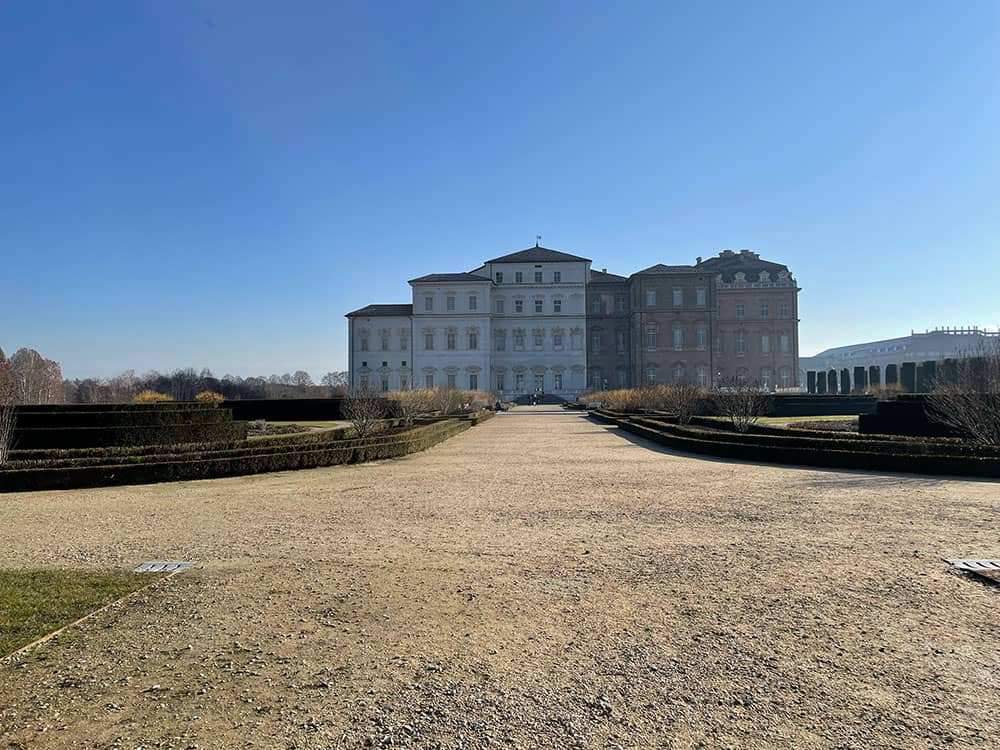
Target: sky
{"points": [[215, 184]]}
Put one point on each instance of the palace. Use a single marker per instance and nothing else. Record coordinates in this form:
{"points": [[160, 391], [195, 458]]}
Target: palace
{"points": [[543, 321]]}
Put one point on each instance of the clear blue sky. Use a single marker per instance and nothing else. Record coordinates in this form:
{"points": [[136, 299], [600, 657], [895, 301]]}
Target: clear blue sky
{"points": [[217, 183]]}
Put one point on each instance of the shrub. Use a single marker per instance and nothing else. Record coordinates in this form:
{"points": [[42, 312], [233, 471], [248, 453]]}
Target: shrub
{"points": [[365, 410], [967, 400], [151, 397], [742, 402], [209, 397]]}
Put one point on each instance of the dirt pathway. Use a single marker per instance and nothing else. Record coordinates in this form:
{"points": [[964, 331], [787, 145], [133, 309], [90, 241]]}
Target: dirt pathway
{"points": [[538, 581]]}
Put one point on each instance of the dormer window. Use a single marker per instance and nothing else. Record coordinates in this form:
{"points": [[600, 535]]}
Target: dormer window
{"points": [[764, 277], [741, 277]]}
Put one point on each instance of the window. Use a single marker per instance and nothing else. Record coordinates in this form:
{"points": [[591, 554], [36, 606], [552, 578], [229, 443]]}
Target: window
{"points": [[678, 338], [595, 342], [650, 375], [385, 341], [473, 381], [449, 340], [473, 341], [678, 297], [783, 310], [701, 338], [620, 341], [404, 383], [765, 377], [783, 343], [557, 381], [650, 298], [500, 337], [557, 341], [539, 306], [473, 302], [740, 311], [557, 279], [650, 337], [364, 343], [499, 381], [519, 382], [622, 375], [451, 380], [785, 377], [428, 381], [538, 277], [678, 373], [364, 382], [385, 384], [742, 375], [519, 305], [595, 305], [403, 341], [539, 338], [519, 341], [699, 296], [450, 303], [741, 343], [557, 305], [765, 343], [428, 303], [539, 382], [499, 277], [701, 374], [620, 303], [499, 306], [596, 381], [764, 309], [718, 343], [518, 277], [428, 341]]}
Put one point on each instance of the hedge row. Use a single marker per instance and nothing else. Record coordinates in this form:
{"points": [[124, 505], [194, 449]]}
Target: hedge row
{"points": [[120, 418], [251, 460], [35, 438], [860, 454], [793, 431], [57, 408]]}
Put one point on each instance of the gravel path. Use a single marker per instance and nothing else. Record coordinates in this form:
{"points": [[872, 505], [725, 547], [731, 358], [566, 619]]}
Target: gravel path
{"points": [[538, 581]]}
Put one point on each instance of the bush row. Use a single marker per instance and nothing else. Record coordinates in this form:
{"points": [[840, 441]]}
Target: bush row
{"points": [[250, 460], [34, 438], [120, 418], [56, 408], [805, 451]]}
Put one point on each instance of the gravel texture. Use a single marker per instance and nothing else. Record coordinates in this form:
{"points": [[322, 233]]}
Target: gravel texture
{"points": [[538, 581]]}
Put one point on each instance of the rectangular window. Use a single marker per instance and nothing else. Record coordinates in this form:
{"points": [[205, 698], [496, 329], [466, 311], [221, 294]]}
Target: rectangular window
{"points": [[539, 340], [622, 378], [702, 375], [404, 383], [741, 343], [449, 340], [718, 343], [449, 303], [473, 381], [538, 277], [519, 381], [499, 381], [500, 337], [519, 305], [620, 303], [557, 341], [519, 341], [783, 310], [701, 338], [763, 309], [499, 306], [765, 344], [428, 303], [678, 297], [783, 343], [385, 342], [451, 380], [428, 341], [650, 337], [499, 276], [557, 381], [595, 342], [428, 381], [385, 384], [473, 302], [595, 305], [539, 383], [650, 298], [678, 338], [403, 342], [557, 305], [620, 341], [740, 311], [538, 306], [473, 340], [518, 277], [699, 296], [557, 279], [364, 343]]}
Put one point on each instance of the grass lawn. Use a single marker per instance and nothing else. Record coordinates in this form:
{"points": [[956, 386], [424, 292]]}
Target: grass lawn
{"points": [[33, 603], [792, 420], [335, 423]]}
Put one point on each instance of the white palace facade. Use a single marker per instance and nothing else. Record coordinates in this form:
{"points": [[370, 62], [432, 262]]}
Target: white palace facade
{"points": [[514, 325]]}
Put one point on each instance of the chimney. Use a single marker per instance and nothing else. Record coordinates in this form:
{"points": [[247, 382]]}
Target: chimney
{"points": [[697, 260], [604, 270]]}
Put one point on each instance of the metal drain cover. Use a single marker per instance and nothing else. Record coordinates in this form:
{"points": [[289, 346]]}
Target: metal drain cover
{"points": [[168, 566], [986, 569]]}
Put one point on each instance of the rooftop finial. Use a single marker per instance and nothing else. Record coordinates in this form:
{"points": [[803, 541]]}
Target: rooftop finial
{"points": [[538, 238]]}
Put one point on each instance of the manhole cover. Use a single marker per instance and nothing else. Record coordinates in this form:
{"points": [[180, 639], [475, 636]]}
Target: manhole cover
{"points": [[986, 569], [168, 566]]}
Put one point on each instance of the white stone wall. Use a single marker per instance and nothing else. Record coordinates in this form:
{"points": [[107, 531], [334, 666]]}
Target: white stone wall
{"points": [[381, 353], [465, 365]]}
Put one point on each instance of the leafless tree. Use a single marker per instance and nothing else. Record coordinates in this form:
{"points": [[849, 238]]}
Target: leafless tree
{"points": [[301, 378], [365, 409], [742, 402], [7, 414], [967, 399], [683, 399]]}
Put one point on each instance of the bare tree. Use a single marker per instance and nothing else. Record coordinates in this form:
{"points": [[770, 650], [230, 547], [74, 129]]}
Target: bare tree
{"points": [[742, 402], [365, 410], [301, 378], [683, 399], [7, 414], [967, 399]]}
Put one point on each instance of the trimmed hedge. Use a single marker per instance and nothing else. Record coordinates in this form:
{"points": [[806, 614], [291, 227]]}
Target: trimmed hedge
{"points": [[121, 418], [252, 459], [287, 409], [909, 456], [35, 438]]}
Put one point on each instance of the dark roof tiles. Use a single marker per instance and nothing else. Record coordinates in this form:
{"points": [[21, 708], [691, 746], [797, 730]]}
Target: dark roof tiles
{"points": [[438, 278], [381, 311], [538, 255]]}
